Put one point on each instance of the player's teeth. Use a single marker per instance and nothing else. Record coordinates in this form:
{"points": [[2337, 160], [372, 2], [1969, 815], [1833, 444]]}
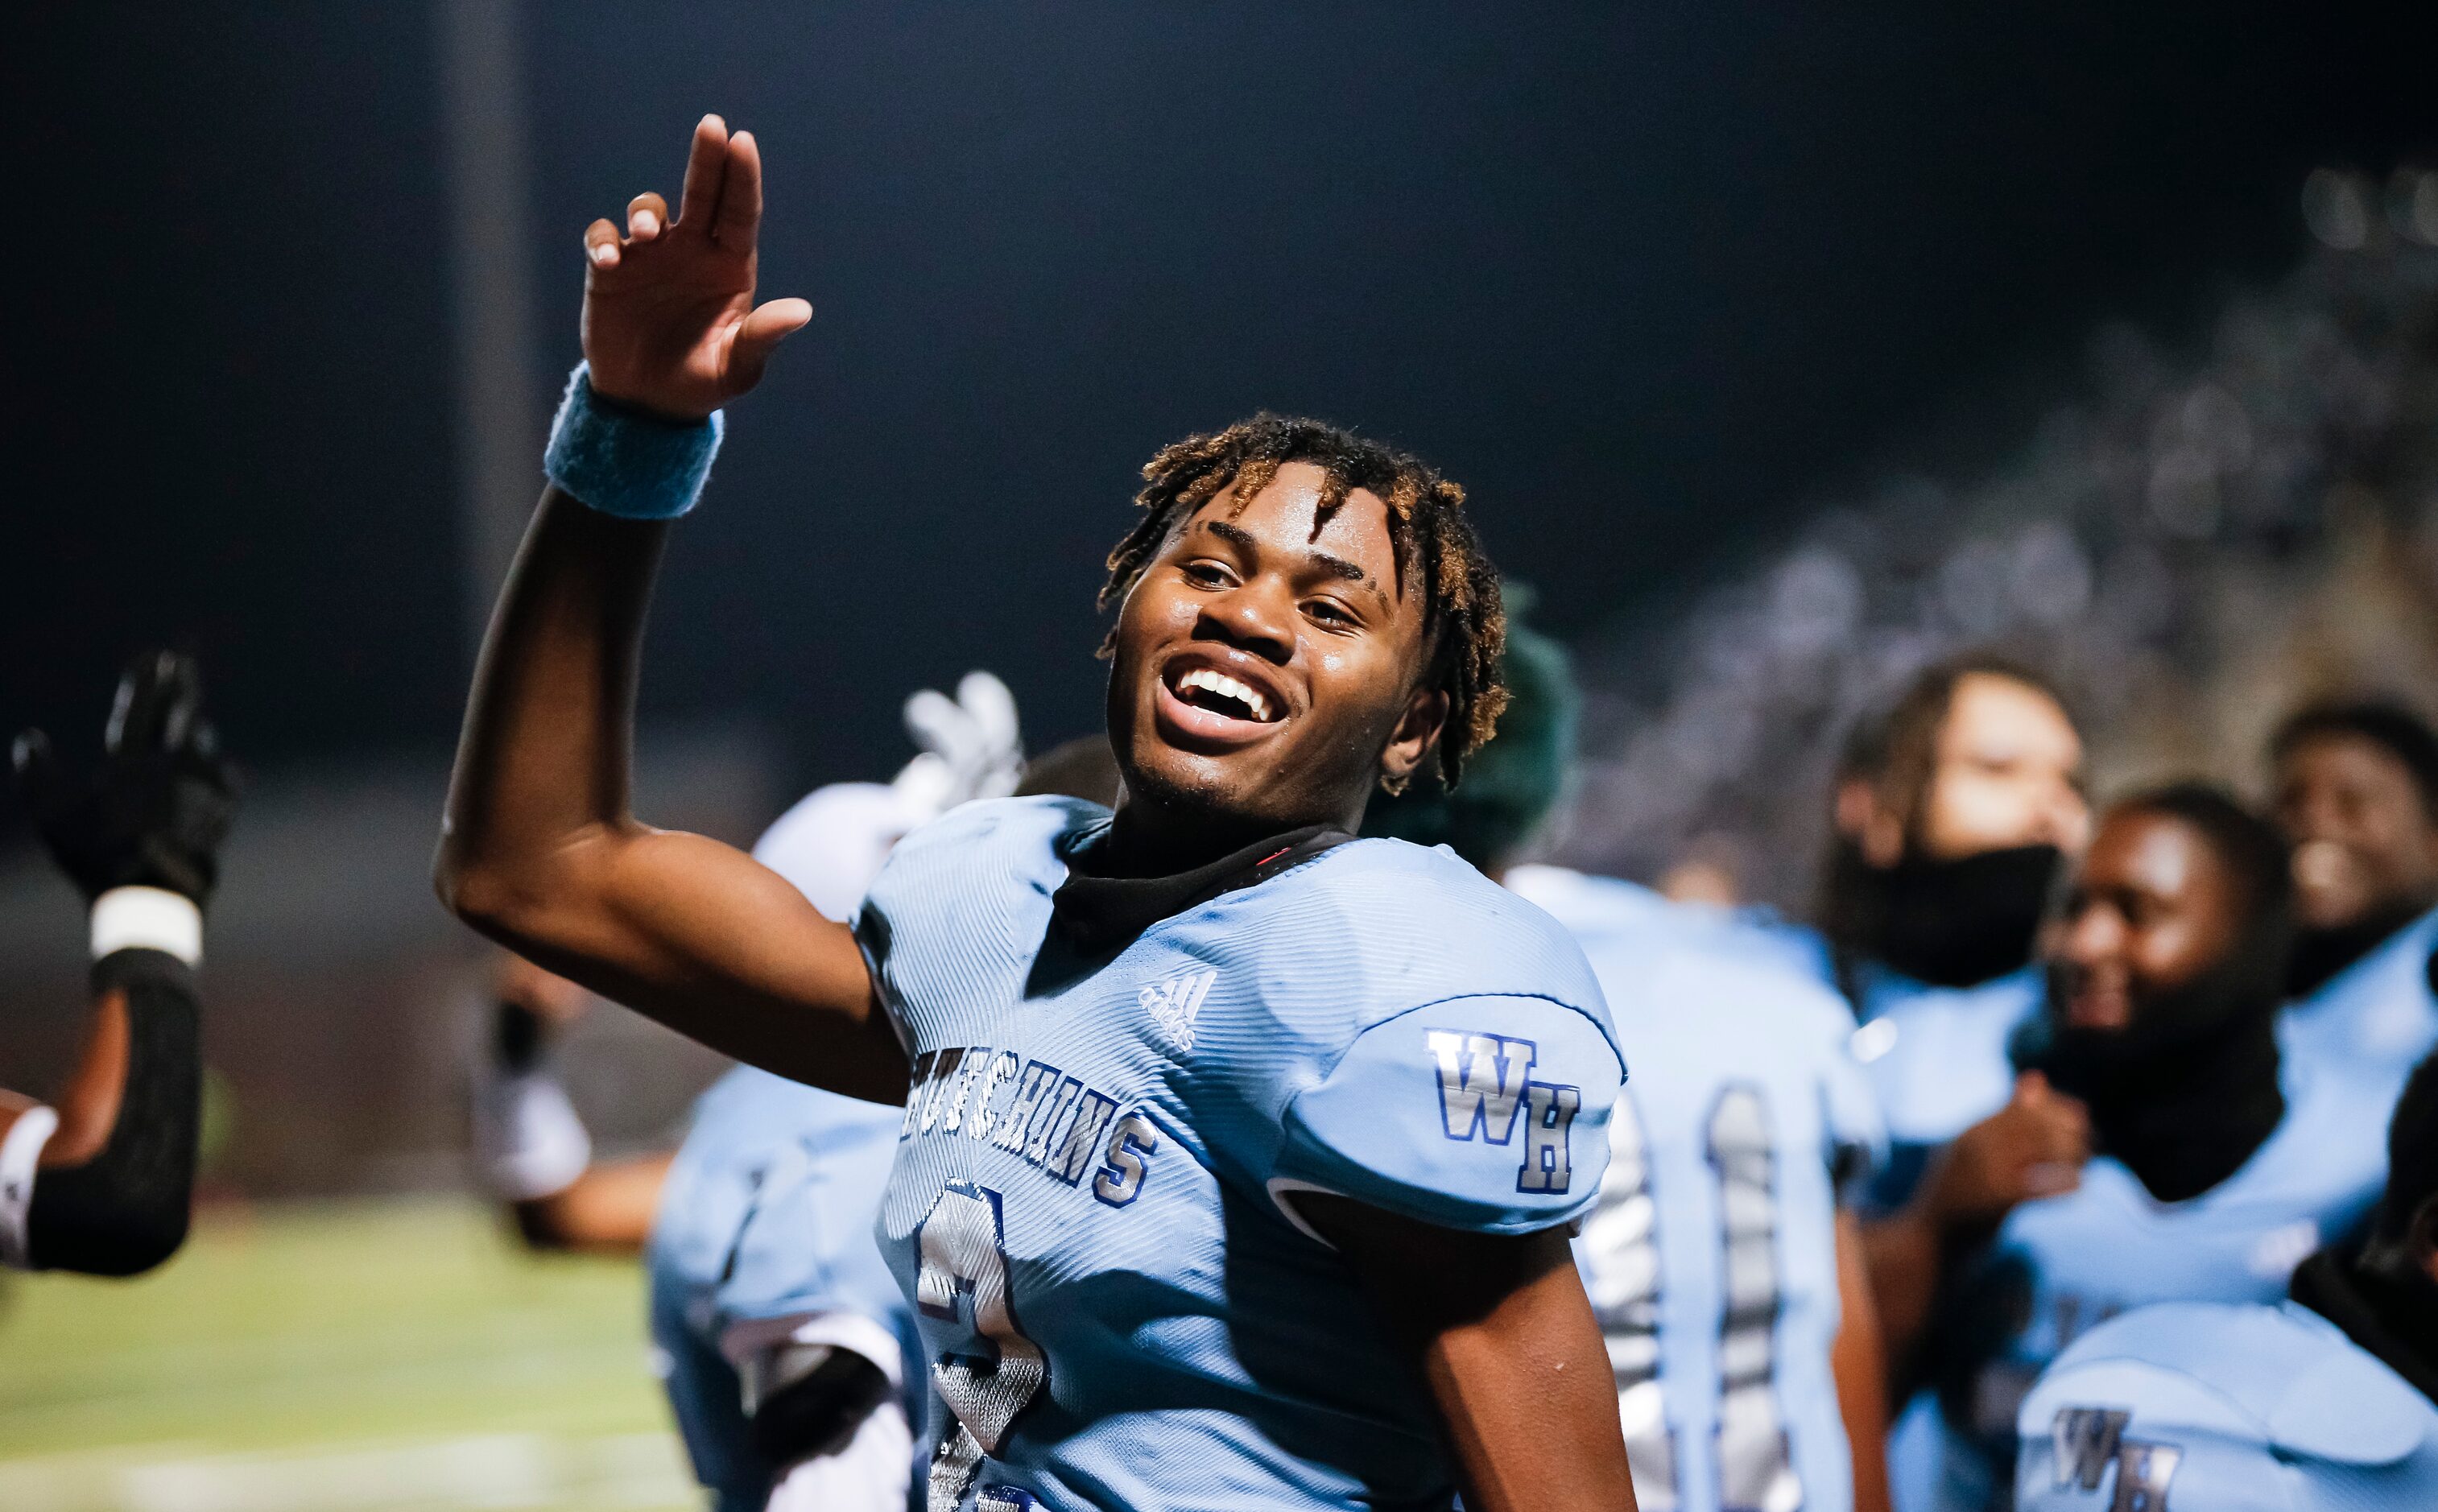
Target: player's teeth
{"points": [[1226, 687]]}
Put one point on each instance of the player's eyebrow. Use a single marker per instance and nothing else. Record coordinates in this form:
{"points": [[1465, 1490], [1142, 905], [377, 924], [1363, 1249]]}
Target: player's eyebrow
{"points": [[1335, 566]]}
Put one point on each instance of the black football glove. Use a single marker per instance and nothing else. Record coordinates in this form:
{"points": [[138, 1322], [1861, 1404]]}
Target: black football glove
{"points": [[154, 812]]}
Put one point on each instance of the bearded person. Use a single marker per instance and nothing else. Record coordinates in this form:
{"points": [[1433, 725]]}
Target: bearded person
{"points": [[2220, 1162]]}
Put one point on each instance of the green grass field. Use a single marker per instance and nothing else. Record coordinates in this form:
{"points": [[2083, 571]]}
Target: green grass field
{"points": [[371, 1355]]}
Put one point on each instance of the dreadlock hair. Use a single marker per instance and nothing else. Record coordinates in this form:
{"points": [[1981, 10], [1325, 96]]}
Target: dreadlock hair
{"points": [[1464, 625]]}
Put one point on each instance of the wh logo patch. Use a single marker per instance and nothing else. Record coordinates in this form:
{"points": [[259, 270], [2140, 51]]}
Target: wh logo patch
{"points": [[1175, 1004], [1481, 1083], [2084, 1441], [1486, 1089]]}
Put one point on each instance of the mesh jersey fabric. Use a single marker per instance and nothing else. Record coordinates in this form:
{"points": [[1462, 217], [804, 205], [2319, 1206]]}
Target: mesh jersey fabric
{"points": [[2063, 1265], [2233, 1409], [1712, 1256], [767, 1213], [1092, 1200]]}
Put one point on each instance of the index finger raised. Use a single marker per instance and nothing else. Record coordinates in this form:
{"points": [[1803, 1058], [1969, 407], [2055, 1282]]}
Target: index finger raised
{"points": [[706, 163]]}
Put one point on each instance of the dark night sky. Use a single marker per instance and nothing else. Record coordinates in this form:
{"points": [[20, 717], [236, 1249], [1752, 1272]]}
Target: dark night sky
{"points": [[1642, 276]]}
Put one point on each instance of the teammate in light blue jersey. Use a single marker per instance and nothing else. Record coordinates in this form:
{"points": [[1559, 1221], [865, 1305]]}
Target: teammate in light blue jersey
{"points": [[1731, 1291], [1714, 1257], [782, 1330], [1240, 1155], [2232, 1409], [1956, 808], [2325, 1403], [2222, 1163], [788, 1357], [2356, 787]]}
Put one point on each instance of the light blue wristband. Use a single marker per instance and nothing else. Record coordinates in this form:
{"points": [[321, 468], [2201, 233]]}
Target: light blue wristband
{"points": [[625, 463]]}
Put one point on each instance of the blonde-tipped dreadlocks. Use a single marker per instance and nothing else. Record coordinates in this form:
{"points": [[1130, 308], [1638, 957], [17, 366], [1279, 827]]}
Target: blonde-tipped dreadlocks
{"points": [[1465, 627]]}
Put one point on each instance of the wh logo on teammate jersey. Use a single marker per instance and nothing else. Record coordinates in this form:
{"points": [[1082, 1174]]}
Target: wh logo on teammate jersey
{"points": [[2085, 1441], [1486, 1089]]}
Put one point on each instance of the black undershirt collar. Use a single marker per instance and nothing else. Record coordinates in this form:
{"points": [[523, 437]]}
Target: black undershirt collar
{"points": [[1097, 913]]}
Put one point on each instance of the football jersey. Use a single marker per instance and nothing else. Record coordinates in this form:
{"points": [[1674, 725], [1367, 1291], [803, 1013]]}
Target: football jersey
{"points": [[2228, 1409], [2063, 1264], [1936, 1061], [765, 1233], [2378, 1012], [1092, 1203], [1711, 1259]]}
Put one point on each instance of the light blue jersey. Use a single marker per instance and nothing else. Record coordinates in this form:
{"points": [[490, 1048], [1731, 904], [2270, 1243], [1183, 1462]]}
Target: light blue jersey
{"points": [[2224, 1409], [1936, 1060], [765, 1225], [2378, 1012], [1712, 1258], [1093, 1197], [2064, 1265]]}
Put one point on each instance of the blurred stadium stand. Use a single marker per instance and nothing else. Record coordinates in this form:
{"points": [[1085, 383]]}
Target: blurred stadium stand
{"points": [[2194, 542]]}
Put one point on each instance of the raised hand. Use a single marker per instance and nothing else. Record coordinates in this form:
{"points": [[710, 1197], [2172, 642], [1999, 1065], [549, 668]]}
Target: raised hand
{"points": [[670, 326], [2033, 1147]]}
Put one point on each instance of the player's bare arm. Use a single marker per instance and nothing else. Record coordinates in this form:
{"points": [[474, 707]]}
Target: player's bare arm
{"points": [[540, 849], [1499, 1328], [1857, 1361], [2032, 1148]]}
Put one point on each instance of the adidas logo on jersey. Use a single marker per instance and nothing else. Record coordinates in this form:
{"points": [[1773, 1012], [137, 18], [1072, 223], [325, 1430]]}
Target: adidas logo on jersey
{"points": [[1175, 1004]]}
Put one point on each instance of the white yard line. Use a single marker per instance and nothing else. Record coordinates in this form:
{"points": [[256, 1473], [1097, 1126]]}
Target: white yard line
{"points": [[498, 1471]]}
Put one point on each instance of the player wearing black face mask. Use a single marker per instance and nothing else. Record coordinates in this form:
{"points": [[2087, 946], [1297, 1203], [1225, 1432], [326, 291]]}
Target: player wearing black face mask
{"points": [[1956, 810], [2357, 792], [2218, 1165], [2165, 1028], [98, 1180]]}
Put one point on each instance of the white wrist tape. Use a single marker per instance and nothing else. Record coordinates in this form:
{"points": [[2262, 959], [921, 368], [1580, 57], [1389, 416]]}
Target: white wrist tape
{"points": [[21, 1151], [528, 1142], [148, 918]]}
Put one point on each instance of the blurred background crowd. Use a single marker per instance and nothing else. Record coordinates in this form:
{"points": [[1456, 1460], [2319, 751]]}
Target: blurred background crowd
{"points": [[1783, 356]]}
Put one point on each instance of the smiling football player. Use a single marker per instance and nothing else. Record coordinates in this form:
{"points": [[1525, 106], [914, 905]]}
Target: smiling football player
{"points": [[1238, 1154]]}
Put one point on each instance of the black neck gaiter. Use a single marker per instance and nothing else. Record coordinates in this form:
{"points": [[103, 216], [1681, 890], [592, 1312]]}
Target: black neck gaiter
{"points": [[2185, 1094], [2320, 954], [1098, 912], [1949, 923]]}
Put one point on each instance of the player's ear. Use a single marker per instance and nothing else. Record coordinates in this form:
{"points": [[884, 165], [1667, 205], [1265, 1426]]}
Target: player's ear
{"points": [[1860, 816], [1417, 730]]}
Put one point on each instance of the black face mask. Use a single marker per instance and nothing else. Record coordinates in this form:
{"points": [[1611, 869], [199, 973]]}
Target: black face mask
{"points": [[2185, 1092], [1952, 924], [2320, 954]]}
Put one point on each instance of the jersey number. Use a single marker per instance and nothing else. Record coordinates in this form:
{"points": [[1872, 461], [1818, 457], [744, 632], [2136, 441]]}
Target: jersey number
{"points": [[1755, 1469], [965, 1272]]}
